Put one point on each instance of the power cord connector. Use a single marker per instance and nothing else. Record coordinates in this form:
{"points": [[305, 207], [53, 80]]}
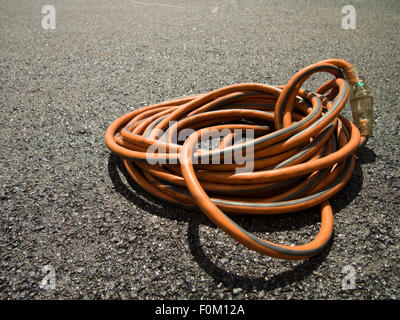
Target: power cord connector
{"points": [[361, 102]]}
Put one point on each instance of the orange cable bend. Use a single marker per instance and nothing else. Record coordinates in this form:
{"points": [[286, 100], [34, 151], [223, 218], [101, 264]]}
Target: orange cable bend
{"points": [[302, 152]]}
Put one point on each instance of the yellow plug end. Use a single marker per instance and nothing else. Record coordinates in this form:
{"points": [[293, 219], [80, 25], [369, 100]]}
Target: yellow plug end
{"points": [[361, 107]]}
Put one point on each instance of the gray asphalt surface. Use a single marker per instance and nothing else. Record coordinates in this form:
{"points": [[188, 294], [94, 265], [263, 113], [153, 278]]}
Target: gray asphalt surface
{"points": [[65, 202]]}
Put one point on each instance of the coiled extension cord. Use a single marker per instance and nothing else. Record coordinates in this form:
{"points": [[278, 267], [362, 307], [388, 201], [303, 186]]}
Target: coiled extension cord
{"points": [[302, 150]]}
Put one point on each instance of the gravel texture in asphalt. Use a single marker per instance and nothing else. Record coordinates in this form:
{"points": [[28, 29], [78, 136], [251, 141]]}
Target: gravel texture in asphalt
{"points": [[66, 202]]}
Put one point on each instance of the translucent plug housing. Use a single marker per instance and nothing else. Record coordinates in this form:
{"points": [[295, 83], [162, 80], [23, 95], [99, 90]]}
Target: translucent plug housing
{"points": [[361, 107]]}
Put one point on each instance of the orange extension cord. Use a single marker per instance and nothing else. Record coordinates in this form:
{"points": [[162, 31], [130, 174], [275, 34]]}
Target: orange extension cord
{"points": [[303, 152]]}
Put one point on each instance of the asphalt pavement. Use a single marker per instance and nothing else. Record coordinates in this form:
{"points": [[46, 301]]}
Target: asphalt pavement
{"points": [[66, 202]]}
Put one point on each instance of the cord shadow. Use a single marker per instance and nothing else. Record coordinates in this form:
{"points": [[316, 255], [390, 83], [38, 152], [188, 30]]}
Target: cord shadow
{"points": [[365, 155], [231, 280], [139, 196]]}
